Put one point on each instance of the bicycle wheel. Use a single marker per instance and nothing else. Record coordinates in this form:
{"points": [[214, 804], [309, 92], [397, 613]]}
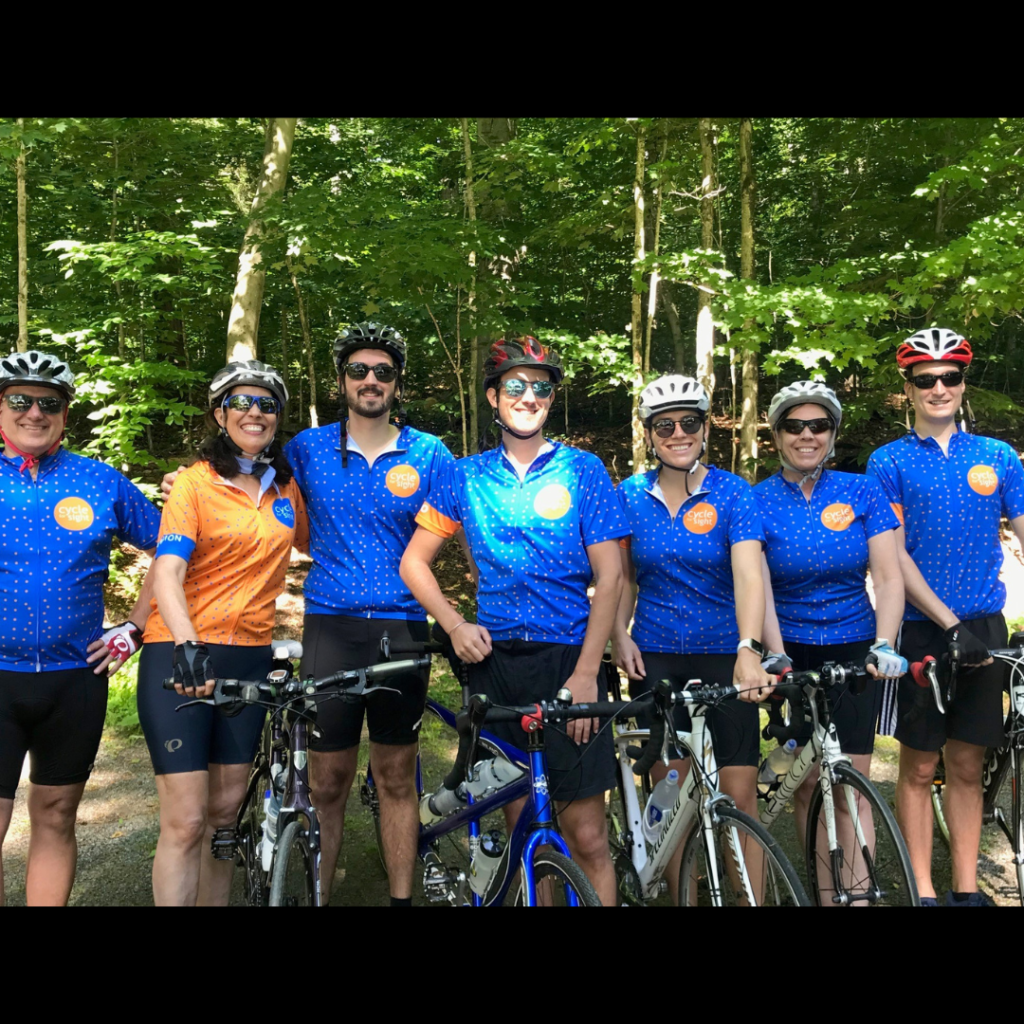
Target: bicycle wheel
{"points": [[875, 874], [741, 847], [565, 874], [619, 838], [370, 800], [1009, 809], [250, 834], [938, 787], [292, 881]]}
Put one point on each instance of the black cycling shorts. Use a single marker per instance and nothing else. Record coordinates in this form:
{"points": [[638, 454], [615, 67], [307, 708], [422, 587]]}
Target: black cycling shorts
{"points": [[193, 739], [526, 671], [334, 642], [976, 714], [734, 724], [54, 717], [855, 716]]}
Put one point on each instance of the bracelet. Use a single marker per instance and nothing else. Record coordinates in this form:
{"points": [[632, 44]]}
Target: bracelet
{"points": [[462, 623]]}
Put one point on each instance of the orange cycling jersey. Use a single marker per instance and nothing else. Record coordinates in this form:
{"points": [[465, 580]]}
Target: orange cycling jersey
{"points": [[237, 551]]}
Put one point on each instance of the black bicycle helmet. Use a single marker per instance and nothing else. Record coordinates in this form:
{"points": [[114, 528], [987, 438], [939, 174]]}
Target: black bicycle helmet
{"points": [[369, 335]]}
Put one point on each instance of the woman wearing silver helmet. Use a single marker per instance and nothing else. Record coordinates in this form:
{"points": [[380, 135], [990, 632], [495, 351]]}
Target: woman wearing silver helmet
{"points": [[825, 530], [697, 599], [226, 537]]}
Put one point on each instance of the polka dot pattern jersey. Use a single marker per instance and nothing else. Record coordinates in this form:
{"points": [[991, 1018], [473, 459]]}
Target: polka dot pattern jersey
{"points": [[951, 506], [361, 518], [55, 538], [529, 537], [686, 600], [817, 554]]}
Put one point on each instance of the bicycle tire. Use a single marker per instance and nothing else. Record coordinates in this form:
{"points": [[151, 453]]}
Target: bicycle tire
{"points": [[1009, 802], [781, 887], [291, 882], [939, 812], [371, 801], [550, 864], [256, 884], [889, 862]]}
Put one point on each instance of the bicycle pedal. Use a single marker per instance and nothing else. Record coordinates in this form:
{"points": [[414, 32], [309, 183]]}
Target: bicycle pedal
{"points": [[224, 845]]}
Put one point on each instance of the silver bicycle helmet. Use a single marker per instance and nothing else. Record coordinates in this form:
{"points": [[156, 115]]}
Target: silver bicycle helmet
{"points": [[806, 392], [250, 372], [672, 391], [37, 368]]}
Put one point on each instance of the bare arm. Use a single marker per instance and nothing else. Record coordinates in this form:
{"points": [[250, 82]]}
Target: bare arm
{"points": [[921, 596], [883, 559], [625, 652], [168, 588], [748, 677], [771, 635], [467, 551]]}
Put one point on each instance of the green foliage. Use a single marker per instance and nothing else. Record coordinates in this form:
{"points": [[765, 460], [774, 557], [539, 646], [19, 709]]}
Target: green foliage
{"points": [[122, 709]]}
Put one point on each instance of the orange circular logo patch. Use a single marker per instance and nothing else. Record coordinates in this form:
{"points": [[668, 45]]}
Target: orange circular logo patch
{"points": [[701, 518], [73, 513], [402, 481], [982, 479], [552, 502], [898, 510], [837, 516]]}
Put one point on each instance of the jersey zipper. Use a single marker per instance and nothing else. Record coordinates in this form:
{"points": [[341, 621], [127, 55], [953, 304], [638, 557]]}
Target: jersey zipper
{"points": [[39, 566]]}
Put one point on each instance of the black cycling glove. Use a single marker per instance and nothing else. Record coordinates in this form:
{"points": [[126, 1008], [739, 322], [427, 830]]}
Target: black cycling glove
{"points": [[192, 667], [973, 651]]}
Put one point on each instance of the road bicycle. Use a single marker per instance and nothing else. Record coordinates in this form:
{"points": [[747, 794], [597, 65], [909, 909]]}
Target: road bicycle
{"points": [[1003, 770], [854, 851], [728, 858], [276, 836]]}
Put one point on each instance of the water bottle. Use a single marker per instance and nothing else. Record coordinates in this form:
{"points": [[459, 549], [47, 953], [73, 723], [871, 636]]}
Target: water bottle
{"points": [[490, 776], [775, 765], [662, 799], [485, 860], [272, 801]]}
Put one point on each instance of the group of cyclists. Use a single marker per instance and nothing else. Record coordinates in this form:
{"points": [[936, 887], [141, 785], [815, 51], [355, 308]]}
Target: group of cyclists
{"points": [[688, 570]]}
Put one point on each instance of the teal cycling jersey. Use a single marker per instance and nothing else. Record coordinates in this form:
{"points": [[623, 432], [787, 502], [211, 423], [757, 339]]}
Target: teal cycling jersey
{"points": [[361, 518], [817, 554], [686, 600], [529, 537], [951, 506], [56, 534]]}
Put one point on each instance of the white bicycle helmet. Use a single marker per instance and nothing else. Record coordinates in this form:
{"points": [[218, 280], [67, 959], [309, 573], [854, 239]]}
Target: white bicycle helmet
{"points": [[805, 392], [672, 391], [936, 344], [250, 372], [37, 368]]}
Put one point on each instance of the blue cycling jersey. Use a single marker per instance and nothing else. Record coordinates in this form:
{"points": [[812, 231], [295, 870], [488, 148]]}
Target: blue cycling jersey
{"points": [[951, 506], [817, 553], [686, 600], [361, 518], [529, 537], [55, 537]]}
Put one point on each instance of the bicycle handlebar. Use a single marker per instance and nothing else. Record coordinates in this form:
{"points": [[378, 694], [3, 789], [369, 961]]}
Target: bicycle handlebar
{"points": [[793, 688]]}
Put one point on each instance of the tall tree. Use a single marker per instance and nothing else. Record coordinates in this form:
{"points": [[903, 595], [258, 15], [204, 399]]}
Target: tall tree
{"points": [[705, 321], [474, 349], [637, 301], [748, 420], [22, 245], [247, 301]]}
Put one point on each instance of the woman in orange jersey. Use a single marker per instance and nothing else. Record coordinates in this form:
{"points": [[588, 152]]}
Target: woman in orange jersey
{"points": [[225, 541]]}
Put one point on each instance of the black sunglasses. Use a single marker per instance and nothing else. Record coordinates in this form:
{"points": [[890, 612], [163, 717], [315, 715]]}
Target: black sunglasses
{"points": [[50, 404], [384, 372], [816, 426], [926, 381], [516, 387], [243, 403], [666, 428]]}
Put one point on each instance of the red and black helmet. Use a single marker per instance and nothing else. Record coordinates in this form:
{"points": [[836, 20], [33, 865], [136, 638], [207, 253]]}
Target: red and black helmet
{"points": [[934, 345], [508, 353]]}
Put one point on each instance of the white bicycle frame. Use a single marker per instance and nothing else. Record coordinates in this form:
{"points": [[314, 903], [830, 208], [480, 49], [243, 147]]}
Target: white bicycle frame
{"points": [[698, 799]]}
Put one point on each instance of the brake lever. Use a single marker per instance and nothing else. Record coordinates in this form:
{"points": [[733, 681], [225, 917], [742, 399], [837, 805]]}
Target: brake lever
{"points": [[931, 671], [200, 700]]}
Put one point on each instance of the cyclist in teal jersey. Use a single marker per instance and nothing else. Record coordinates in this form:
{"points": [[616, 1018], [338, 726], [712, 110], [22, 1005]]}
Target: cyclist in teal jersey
{"points": [[951, 490], [542, 521]]}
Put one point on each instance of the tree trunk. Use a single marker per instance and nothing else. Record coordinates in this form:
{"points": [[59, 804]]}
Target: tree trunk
{"points": [[22, 246], [244, 320], [668, 303], [284, 359], [307, 345], [474, 344], [495, 131], [748, 423], [637, 326], [652, 299], [705, 369]]}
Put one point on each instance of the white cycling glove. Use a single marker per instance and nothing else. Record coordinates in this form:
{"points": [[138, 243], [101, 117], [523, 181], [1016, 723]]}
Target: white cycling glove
{"points": [[890, 665], [122, 641]]}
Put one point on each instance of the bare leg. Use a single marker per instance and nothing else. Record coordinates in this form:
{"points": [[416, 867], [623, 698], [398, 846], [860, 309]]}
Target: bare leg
{"points": [[914, 811], [586, 832], [52, 848], [394, 770], [963, 806], [183, 800], [740, 782], [6, 810], [227, 790], [331, 776]]}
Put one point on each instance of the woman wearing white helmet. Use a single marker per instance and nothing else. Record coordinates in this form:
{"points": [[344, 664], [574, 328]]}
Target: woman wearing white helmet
{"points": [[226, 537], [824, 531], [697, 597]]}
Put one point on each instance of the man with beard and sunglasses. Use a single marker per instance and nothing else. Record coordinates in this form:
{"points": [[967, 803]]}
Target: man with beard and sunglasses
{"points": [[950, 489], [364, 480]]}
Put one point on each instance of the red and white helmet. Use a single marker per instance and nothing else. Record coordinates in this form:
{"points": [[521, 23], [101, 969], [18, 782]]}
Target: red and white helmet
{"points": [[934, 345]]}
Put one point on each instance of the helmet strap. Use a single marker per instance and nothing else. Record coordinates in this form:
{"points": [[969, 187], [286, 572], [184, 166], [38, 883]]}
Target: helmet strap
{"points": [[515, 433], [259, 461], [30, 461]]}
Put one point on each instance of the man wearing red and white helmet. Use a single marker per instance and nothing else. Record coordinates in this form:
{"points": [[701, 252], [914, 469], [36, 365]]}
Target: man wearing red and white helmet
{"points": [[950, 489]]}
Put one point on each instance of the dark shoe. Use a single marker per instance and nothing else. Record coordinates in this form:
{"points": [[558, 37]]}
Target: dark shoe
{"points": [[929, 901], [974, 899]]}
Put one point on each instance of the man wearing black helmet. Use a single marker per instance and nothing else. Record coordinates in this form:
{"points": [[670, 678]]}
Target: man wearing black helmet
{"points": [[59, 513]]}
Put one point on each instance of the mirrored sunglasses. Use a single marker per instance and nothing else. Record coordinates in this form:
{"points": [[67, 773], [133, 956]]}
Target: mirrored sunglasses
{"points": [[515, 387], [243, 403], [926, 381], [384, 372], [816, 426], [50, 404], [666, 428]]}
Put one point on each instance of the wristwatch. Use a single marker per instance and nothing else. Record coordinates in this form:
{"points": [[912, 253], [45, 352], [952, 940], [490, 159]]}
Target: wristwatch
{"points": [[755, 645]]}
